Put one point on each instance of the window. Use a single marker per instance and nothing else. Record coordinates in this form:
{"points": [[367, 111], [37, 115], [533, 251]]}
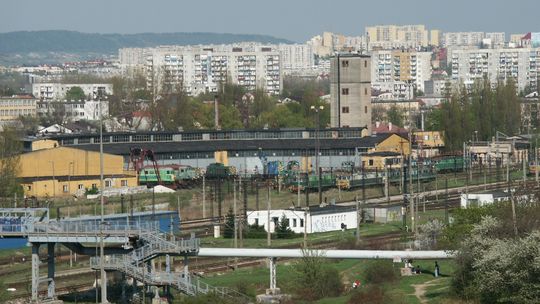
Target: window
{"points": [[345, 110], [365, 91], [80, 187], [65, 188], [345, 63], [294, 222], [301, 222], [29, 188], [94, 186], [124, 183], [108, 183], [365, 63], [371, 162], [365, 109], [345, 91]]}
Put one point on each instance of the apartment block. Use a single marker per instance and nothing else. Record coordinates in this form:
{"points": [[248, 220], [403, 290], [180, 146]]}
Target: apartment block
{"points": [[350, 91], [74, 110], [463, 39], [11, 108], [296, 57], [522, 65], [204, 68], [395, 36], [401, 66], [57, 91]]}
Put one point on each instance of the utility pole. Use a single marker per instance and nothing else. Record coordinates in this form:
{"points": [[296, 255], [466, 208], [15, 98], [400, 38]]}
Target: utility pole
{"points": [[318, 147], [268, 206], [358, 218], [404, 208], [446, 218], [102, 201], [235, 223], [203, 196], [536, 161]]}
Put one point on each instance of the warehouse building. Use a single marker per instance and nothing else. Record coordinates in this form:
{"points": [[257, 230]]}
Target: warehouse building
{"points": [[64, 171], [244, 149]]}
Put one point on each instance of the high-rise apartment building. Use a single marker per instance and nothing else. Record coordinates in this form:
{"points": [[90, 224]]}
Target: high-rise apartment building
{"points": [[435, 37], [520, 64], [200, 69], [395, 36], [350, 91], [408, 67], [296, 57], [495, 40]]}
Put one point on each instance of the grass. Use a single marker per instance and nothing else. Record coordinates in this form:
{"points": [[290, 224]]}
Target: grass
{"points": [[365, 230], [402, 291]]}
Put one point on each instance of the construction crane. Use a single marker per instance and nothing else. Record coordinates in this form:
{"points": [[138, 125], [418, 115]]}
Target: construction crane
{"points": [[137, 156]]}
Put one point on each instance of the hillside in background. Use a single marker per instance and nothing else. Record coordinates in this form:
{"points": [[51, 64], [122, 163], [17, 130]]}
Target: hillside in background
{"points": [[30, 47]]}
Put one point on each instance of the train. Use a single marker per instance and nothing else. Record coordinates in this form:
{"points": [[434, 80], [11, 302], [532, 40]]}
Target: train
{"points": [[349, 181], [449, 163], [173, 176]]}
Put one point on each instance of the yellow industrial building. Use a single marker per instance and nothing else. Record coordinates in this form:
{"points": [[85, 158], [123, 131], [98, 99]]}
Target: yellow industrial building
{"points": [[63, 171]]}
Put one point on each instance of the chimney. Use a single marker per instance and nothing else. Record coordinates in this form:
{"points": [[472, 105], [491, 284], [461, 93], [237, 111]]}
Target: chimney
{"points": [[390, 126], [377, 124]]}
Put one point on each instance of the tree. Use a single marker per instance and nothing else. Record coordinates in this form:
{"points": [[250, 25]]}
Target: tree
{"points": [[377, 113], [10, 148], [75, 93], [491, 267], [228, 230], [314, 278], [283, 231], [395, 115]]}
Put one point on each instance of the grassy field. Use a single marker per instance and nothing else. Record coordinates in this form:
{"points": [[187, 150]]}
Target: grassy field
{"points": [[405, 290], [365, 230]]}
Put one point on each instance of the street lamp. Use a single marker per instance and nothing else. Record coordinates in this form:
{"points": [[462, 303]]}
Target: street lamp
{"points": [[318, 147], [102, 223]]}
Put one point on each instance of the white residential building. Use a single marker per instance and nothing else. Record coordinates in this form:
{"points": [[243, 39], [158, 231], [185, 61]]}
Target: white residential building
{"points": [[202, 68], [497, 64], [476, 39], [396, 66], [86, 110], [57, 91], [296, 57], [74, 110]]}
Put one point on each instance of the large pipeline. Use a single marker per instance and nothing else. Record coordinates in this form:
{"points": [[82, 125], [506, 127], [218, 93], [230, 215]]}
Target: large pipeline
{"points": [[330, 254]]}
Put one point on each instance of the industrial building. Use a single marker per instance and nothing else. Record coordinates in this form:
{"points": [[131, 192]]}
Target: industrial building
{"points": [[243, 148], [350, 91], [64, 171]]}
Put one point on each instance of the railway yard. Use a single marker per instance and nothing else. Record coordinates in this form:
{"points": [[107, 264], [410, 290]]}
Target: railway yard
{"points": [[74, 276]]}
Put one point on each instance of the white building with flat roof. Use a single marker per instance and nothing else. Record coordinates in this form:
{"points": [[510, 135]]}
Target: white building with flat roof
{"points": [[470, 65], [316, 219], [201, 69], [57, 91]]}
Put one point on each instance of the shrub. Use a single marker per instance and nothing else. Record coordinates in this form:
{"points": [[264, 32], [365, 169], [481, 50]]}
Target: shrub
{"points": [[380, 272], [255, 232], [369, 294], [314, 278]]}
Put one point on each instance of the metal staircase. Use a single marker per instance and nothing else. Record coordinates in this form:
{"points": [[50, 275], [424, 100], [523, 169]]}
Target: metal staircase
{"points": [[134, 264], [157, 245]]}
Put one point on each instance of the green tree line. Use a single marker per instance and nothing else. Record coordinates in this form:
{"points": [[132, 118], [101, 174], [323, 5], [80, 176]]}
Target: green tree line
{"points": [[477, 113]]}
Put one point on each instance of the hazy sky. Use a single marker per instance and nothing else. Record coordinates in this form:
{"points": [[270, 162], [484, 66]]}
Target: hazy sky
{"points": [[296, 20]]}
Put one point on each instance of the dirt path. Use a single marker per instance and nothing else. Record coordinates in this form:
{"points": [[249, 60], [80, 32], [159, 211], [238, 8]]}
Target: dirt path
{"points": [[420, 290]]}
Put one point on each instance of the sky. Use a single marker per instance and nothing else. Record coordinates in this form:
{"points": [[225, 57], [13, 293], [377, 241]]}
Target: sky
{"points": [[296, 20]]}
